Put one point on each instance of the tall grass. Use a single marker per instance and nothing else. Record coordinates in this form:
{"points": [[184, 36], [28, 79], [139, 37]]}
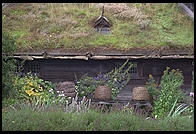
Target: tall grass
{"points": [[28, 119]]}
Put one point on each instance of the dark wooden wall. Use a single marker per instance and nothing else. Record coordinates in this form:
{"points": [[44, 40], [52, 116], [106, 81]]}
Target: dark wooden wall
{"points": [[57, 70]]}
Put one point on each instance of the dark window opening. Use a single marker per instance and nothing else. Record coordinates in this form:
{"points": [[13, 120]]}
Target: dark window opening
{"points": [[103, 30], [133, 70]]}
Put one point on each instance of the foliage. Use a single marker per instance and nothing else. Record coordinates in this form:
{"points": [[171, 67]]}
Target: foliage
{"points": [[8, 65], [115, 79], [178, 110], [54, 119], [32, 88], [189, 111], [152, 88], [170, 84], [78, 106]]}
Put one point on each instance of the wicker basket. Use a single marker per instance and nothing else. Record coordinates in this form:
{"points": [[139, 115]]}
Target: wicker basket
{"points": [[102, 93], [140, 93]]}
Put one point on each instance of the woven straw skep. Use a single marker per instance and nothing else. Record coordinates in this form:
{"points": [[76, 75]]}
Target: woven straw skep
{"points": [[67, 87], [102, 93], [140, 93], [66, 84]]}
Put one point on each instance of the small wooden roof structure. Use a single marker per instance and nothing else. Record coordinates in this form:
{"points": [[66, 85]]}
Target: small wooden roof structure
{"points": [[102, 21]]}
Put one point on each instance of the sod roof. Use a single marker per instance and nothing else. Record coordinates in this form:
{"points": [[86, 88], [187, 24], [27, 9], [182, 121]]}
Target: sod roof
{"points": [[68, 28]]}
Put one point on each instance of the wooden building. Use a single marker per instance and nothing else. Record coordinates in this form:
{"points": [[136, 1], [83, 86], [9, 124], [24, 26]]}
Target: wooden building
{"points": [[65, 67]]}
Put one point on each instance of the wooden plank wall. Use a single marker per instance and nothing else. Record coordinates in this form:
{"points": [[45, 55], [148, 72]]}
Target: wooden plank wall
{"points": [[57, 70]]}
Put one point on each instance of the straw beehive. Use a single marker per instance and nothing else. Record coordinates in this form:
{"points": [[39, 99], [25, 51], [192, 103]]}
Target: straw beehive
{"points": [[140, 93], [102, 93], [67, 87]]}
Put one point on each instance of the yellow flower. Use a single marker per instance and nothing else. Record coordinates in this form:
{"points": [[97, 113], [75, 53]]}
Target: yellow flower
{"points": [[150, 76], [29, 92], [30, 84], [36, 94], [41, 89]]}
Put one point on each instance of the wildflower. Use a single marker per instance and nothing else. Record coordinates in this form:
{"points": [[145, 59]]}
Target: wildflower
{"points": [[156, 116], [147, 118], [29, 92], [191, 94], [95, 78], [61, 95], [13, 121], [30, 84], [150, 76], [51, 90], [41, 89]]}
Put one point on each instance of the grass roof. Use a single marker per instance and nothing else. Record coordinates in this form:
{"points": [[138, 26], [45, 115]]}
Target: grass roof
{"points": [[50, 26]]}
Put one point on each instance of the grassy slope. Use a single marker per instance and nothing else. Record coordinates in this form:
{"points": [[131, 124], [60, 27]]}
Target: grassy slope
{"points": [[53, 26]]}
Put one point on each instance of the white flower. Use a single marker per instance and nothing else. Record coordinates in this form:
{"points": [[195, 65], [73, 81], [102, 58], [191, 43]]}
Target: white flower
{"points": [[69, 97], [155, 116], [51, 90], [61, 95], [147, 118], [57, 91], [192, 94]]}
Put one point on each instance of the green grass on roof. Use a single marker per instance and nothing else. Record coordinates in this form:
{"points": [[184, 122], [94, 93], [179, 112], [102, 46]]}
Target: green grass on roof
{"points": [[52, 26]]}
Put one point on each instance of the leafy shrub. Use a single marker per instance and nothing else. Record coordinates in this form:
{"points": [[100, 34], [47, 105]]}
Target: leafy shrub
{"points": [[33, 88], [115, 79], [152, 88], [171, 83], [176, 111], [8, 65]]}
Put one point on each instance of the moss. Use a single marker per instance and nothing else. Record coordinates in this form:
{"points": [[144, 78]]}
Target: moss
{"points": [[35, 23]]}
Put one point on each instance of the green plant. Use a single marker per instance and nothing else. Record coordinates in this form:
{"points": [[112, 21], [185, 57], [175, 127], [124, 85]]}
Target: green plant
{"points": [[170, 90], [8, 65], [115, 79], [177, 111], [152, 88], [78, 106], [54, 119], [33, 88]]}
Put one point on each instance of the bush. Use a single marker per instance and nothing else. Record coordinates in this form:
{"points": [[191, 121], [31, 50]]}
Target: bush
{"points": [[32, 88], [115, 79], [152, 88], [170, 84], [8, 65]]}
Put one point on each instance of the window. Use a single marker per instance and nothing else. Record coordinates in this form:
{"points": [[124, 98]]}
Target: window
{"points": [[33, 67], [133, 70], [134, 73], [103, 30]]}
